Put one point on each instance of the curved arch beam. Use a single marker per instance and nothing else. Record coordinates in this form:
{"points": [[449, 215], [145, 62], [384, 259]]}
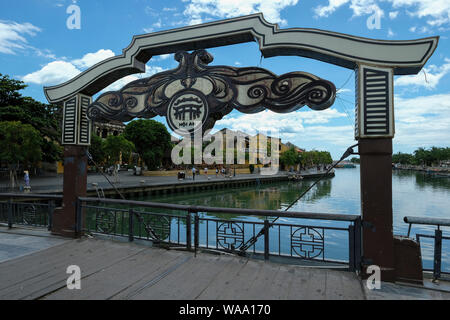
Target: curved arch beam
{"points": [[405, 57]]}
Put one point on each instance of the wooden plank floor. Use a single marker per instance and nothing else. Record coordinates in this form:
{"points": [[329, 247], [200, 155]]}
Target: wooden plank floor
{"points": [[115, 270]]}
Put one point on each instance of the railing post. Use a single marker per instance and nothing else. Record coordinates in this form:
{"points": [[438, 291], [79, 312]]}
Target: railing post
{"points": [[51, 209], [188, 231], [130, 225], [10, 213], [358, 244], [266, 240], [351, 248], [196, 232], [437, 253]]}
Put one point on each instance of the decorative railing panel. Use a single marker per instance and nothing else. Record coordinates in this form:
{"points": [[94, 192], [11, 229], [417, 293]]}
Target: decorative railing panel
{"points": [[181, 225], [30, 210]]}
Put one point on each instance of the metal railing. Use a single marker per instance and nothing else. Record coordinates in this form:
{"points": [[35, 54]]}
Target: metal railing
{"points": [[438, 237], [28, 209], [194, 227]]}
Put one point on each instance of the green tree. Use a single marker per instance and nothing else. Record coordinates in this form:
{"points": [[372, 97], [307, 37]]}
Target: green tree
{"points": [[402, 158], [96, 149], [43, 117], [289, 158], [151, 139], [21, 146], [115, 147]]}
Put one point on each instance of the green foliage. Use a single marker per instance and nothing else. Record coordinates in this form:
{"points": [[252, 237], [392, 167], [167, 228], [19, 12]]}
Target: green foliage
{"points": [[151, 139], [314, 157], [116, 146], [96, 149], [422, 156], [403, 158], [44, 118], [290, 157], [21, 143], [355, 160]]}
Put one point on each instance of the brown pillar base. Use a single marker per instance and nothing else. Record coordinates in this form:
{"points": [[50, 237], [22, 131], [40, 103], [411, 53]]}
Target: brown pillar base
{"points": [[376, 206], [74, 186], [408, 260]]}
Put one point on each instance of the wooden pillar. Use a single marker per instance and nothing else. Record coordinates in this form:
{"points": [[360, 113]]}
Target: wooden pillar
{"points": [[375, 131], [74, 186], [376, 205], [76, 136]]}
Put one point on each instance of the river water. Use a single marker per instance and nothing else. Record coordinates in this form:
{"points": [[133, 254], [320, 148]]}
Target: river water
{"points": [[414, 194]]}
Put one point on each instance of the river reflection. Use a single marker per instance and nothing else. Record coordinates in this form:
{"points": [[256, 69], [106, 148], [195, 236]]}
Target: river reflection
{"points": [[414, 194]]}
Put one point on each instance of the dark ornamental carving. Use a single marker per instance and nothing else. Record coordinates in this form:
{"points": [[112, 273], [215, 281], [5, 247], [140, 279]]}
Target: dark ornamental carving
{"points": [[195, 95]]}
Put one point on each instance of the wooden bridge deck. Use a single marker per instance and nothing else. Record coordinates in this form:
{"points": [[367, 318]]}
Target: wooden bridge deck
{"points": [[115, 270]]}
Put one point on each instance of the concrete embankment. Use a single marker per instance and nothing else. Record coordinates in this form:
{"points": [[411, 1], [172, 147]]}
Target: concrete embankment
{"points": [[132, 185]]}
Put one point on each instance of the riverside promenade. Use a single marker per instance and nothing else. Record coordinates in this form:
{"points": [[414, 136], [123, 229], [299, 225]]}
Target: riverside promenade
{"points": [[126, 182], [33, 265]]}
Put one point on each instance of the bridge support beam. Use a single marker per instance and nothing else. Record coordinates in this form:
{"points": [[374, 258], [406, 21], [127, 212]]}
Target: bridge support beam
{"points": [[376, 206]]}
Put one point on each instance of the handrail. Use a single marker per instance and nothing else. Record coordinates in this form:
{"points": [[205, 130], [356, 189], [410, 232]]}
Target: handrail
{"points": [[438, 222], [30, 195], [427, 221], [251, 212]]}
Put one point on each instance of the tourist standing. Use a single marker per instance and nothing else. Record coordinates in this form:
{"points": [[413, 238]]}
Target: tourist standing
{"points": [[26, 177], [193, 173]]}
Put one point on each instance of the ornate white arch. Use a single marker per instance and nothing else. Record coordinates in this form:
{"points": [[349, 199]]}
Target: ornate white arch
{"points": [[404, 57]]}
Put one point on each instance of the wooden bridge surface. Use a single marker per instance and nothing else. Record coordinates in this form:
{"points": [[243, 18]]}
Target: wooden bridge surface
{"points": [[115, 270]]}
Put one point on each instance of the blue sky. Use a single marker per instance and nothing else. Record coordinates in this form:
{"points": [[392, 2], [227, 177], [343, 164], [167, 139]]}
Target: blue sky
{"points": [[37, 47]]}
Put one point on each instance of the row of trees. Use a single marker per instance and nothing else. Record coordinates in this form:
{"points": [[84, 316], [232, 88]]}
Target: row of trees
{"points": [[305, 159], [148, 138], [30, 133], [29, 129], [428, 157]]}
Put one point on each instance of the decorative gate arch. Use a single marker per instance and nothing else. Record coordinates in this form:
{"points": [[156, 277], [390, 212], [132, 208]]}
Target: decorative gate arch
{"points": [[375, 63]]}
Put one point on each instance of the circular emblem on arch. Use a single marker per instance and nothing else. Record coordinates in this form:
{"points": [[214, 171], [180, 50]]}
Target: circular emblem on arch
{"points": [[187, 111]]}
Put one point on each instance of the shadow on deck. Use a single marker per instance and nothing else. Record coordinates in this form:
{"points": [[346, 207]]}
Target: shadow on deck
{"points": [[116, 270]]}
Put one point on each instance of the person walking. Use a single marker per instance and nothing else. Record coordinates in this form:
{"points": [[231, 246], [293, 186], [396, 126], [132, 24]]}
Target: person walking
{"points": [[193, 173], [217, 171]]}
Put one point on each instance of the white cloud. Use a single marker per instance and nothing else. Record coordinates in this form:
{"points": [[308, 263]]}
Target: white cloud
{"points": [[53, 73], [390, 33], [119, 84], [285, 123], [12, 36], [393, 15], [429, 77], [90, 59], [59, 71], [165, 56], [423, 121], [325, 11], [197, 9], [359, 7], [436, 11]]}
